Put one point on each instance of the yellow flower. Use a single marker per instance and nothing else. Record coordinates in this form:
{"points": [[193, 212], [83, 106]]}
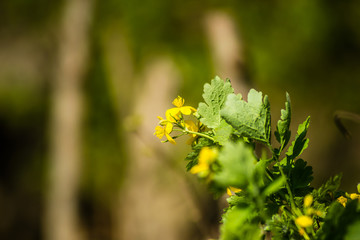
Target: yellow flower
{"points": [[304, 221], [173, 114], [162, 121], [355, 196], [308, 199], [206, 157], [231, 190], [342, 200], [166, 129], [191, 126]]}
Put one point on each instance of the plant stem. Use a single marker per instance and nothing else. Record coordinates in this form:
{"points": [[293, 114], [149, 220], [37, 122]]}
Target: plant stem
{"points": [[292, 203], [196, 133]]}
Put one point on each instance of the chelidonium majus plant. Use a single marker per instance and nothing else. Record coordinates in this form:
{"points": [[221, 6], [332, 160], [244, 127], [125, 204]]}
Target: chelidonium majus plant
{"points": [[270, 196]]}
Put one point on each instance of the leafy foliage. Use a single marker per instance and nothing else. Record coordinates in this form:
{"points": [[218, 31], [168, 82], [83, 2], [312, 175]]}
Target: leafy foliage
{"points": [[300, 178], [237, 224], [192, 157], [223, 133], [339, 220], [326, 192], [214, 96], [237, 165], [269, 197], [300, 143], [282, 132], [251, 119]]}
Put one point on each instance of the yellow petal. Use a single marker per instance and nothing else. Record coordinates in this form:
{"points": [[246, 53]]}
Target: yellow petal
{"points": [[354, 196], [235, 190], [308, 199], [228, 191], [187, 110], [191, 126], [199, 168], [172, 114], [304, 221], [342, 200], [207, 155], [178, 102], [159, 132], [170, 139], [162, 121], [168, 128]]}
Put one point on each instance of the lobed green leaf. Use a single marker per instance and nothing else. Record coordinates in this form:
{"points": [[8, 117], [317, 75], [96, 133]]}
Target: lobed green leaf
{"points": [[214, 96], [251, 119], [300, 143], [300, 178], [223, 132], [282, 132], [237, 163]]}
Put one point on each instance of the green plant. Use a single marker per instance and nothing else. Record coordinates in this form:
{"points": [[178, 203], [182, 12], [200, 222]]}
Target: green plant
{"points": [[270, 196]]}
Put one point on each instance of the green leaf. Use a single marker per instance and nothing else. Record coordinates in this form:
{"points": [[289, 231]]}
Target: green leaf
{"points": [[237, 163], [223, 133], [326, 192], [214, 96], [251, 119], [275, 186], [300, 178], [300, 143], [237, 225], [282, 132], [353, 231]]}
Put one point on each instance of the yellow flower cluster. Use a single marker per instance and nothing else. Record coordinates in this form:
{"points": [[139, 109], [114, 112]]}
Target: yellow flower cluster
{"points": [[175, 114], [206, 157], [175, 118], [343, 200], [306, 220]]}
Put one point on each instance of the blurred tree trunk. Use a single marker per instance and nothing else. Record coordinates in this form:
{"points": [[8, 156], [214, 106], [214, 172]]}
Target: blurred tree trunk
{"points": [[155, 202], [226, 49], [61, 220]]}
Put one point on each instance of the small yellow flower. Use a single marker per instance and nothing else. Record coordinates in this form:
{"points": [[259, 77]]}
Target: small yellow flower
{"points": [[191, 126], [308, 199], [173, 114], [165, 130], [354, 196], [304, 221], [231, 190], [342, 200], [206, 157]]}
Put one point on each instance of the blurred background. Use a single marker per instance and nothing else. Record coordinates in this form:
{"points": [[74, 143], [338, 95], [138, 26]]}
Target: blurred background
{"points": [[82, 81]]}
